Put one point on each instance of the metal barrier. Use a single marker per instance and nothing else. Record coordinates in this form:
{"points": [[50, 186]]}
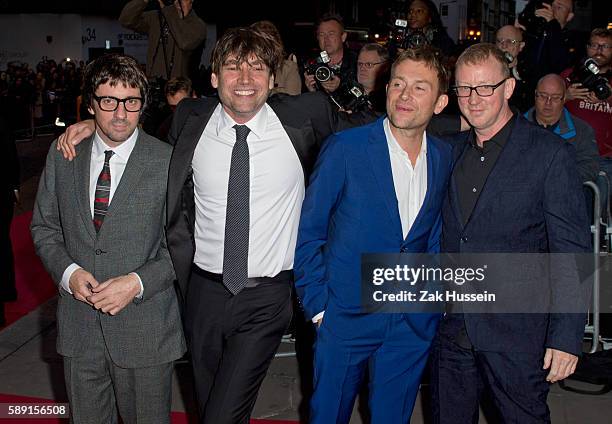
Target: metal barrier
{"points": [[594, 328]]}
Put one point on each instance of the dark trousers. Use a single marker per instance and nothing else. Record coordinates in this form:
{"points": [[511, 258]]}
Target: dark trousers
{"points": [[232, 340], [510, 386]]}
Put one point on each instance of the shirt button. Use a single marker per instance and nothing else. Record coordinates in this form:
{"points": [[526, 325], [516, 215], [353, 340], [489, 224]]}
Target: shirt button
{"points": [[474, 190]]}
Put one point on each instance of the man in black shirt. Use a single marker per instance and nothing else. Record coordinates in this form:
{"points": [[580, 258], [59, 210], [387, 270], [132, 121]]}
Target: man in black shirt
{"points": [[514, 189]]}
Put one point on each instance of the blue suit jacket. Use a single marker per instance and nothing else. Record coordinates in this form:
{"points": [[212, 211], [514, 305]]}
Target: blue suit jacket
{"points": [[351, 208], [532, 202]]}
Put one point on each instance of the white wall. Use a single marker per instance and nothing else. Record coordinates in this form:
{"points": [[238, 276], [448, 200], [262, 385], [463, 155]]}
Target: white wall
{"points": [[24, 38]]}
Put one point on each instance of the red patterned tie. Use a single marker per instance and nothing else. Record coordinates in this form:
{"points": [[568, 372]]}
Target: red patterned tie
{"points": [[103, 187]]}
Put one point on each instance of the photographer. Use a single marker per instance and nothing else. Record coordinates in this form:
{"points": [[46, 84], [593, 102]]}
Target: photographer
{"points": [[583, 101], [373, 74], [423, 18], [550, 47], [509, 39], [343, 62], [174, 31]]}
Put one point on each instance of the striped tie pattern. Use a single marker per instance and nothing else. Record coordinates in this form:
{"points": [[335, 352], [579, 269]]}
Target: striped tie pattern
{"points": [[236, 244], [102, 196]]}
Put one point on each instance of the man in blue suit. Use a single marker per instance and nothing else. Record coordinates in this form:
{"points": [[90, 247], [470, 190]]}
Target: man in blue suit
{"points": [[514, 189], [376, 188]]}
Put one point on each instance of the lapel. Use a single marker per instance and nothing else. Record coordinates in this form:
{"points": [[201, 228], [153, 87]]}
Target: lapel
{"points": [[378, 155], [182, 155], [81, 183], [131, 175], [433, 164], [297, 140], [454, 195]]}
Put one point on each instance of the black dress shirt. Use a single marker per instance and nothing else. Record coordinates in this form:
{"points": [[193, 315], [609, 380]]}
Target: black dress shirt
{"points": [[475, 165]]}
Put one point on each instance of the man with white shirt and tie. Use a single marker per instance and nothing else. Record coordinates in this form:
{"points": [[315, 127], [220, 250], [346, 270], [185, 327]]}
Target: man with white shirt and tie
{"points": [[98, 227], [374, 189], [236, 183]]}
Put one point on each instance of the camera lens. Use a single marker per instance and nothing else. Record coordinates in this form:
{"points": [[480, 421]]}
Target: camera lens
{"points": [[322, 74]]}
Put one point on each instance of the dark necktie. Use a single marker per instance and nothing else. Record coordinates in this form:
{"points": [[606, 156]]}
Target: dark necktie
{"points": [[236, 244], [102, 196]]}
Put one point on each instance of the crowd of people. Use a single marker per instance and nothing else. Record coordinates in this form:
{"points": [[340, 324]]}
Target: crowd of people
{"points": [[36, 97], [284, 178]]}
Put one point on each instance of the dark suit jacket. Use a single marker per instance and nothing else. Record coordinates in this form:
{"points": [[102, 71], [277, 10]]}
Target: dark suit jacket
{"points": [[532, 202], [308, 119]]}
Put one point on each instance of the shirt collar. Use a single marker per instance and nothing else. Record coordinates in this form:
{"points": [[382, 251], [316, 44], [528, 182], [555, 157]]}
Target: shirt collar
{"points": [[257, 124], [394, 145], [123, 150], [498, 139]]}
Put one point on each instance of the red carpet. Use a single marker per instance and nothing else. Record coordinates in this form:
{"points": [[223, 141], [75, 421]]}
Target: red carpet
{"points": [[34, 286], [177, 417]]}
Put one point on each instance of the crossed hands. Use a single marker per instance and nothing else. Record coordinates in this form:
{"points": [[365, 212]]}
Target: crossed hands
{"points": [[110, 296]]}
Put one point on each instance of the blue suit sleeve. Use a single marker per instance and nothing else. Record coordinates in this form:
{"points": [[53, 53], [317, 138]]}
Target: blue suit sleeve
{"points": [[322, 195]]}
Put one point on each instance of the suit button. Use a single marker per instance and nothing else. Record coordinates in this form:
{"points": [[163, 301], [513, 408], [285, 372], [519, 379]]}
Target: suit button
{"points": [[99, 252], [463, 239], [403, 250]]}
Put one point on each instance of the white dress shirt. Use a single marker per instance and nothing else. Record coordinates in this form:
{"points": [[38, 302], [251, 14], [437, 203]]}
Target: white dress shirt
{"points": [[410, 183], [117, 165], [276, 193]]}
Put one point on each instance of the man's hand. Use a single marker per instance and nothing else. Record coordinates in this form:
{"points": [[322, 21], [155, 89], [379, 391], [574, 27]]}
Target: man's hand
{"points": [[561, 364], [81, 284], [74, 135], [545, 12], [332, 84], [114, 294], [310, 82], [577, 91]]}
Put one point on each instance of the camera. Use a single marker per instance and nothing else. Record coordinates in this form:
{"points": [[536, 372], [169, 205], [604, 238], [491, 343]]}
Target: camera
{"points": [[351, 97], [404, 38], [587, 74], [533, 24], [320, 68]]}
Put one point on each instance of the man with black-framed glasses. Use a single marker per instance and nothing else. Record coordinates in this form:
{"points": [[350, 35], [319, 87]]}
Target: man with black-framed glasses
{"points": [[514, 189], [98, 227]]}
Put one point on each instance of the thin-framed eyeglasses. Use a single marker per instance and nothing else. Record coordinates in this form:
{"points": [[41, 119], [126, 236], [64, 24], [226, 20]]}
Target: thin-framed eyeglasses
{"points": [[552, 98], [481, 90], [110, 103], [368, 65], [506, 41], [596, 46]]}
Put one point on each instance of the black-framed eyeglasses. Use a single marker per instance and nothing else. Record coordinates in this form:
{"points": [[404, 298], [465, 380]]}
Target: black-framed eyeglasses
{"points": [[110, 103], [481, 90], [368, 65], [596, 46]]}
